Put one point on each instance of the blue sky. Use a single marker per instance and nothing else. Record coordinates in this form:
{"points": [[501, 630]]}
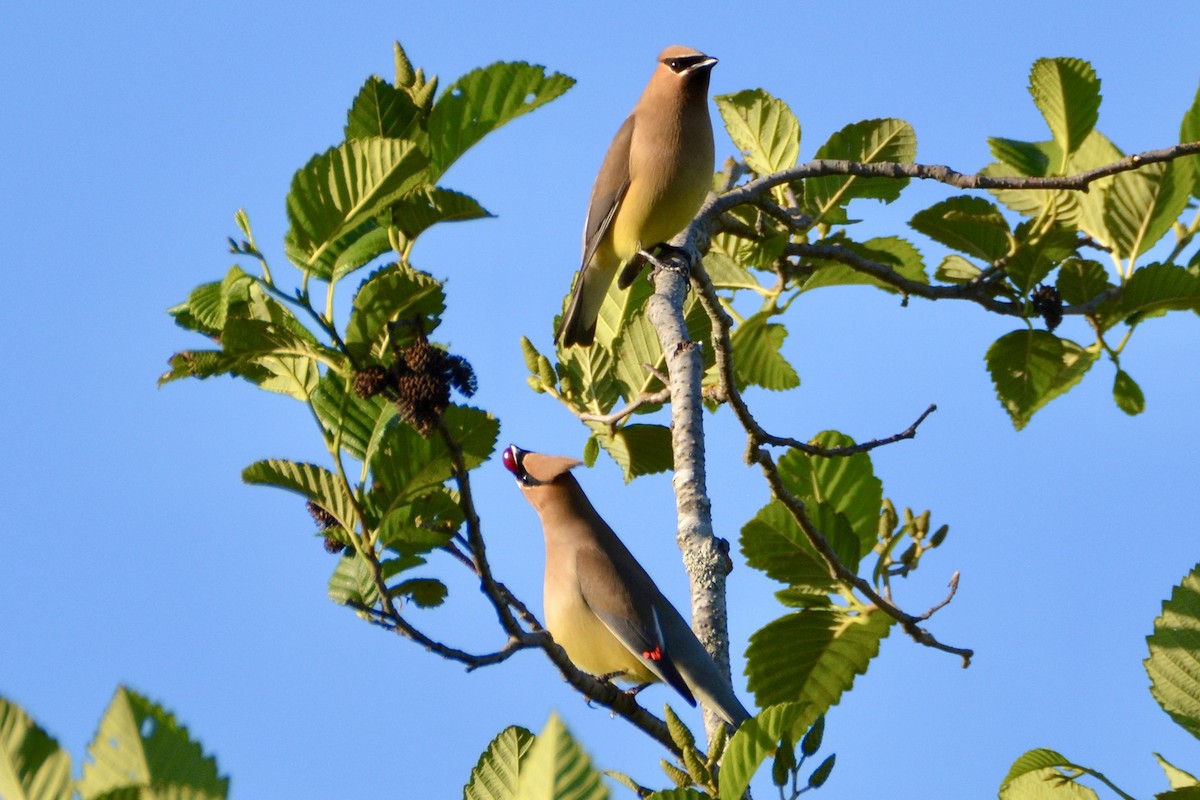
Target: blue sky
{"points": [[134, 553]]}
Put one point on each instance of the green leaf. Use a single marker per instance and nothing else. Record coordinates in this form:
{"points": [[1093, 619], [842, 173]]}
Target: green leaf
{"points": [[1035, 258], [1036, 776], [1081, 280], [813, 655], [847, 484], [1179, 779], [956, 269], [340, 190], [1128, 395], [407, 466], [1067, 92], [315, 483], [756, 740], [425, 592], [763, 128], [637, 449], [1174, 661], [32, 766], [360, 421], [498, 770], [427, 523], [395, 292], [678, 794], [897, 254], [969, 224], [483, 100], [557, 768], [1140, 206], [1189, 131], [635, 346], [773, 542], [757, 360], [140, 744], [870, 141], [420, 210], [728, 274], [1154, 289], [352, 581], [1031, 159], [587, 379], [380, 109], [1031, 368]]}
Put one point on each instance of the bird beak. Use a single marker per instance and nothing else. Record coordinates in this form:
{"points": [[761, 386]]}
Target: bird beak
{"points": [[699, 65]]}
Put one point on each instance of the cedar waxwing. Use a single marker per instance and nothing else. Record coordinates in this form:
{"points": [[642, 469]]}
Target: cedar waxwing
{"points": [[654, 177], [600, 604]]}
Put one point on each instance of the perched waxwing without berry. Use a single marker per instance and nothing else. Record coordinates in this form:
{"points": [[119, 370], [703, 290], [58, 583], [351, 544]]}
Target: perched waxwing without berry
{"points": [[652, 182], [600, 604]]}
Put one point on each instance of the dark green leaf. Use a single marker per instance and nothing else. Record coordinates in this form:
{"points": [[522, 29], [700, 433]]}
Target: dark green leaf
{"points": [[637, 449], [360, 421], [773, 542], [1189, 131], [381, 109], [1128, 395], [1081, 280], [813, 655], [757, 360], [812, 740], [821, 773], [897, 254], [1154, 289], [763, 128], [395, 292], [1031, 159], [1031, 368], [1174, 661], [1035, 258], [420, 210], [969, 224], [407, 466], [483, 100], [756, 740], [140, 745], [308, 480], [425, 592], [1067, 92]]}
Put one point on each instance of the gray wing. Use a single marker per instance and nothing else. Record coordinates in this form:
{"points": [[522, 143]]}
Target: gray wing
{"points": [[609, 190]]}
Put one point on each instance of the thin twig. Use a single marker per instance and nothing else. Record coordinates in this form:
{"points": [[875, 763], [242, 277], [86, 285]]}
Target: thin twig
{"points": [[953, 591], [643, 399], [830, 452]]}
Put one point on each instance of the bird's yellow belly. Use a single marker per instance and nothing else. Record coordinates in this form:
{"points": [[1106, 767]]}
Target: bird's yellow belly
{"points": [[589, 644]]}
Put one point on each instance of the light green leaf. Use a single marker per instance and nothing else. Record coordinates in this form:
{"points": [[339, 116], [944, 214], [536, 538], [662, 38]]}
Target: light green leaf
{"points": [[1128, 395], [351, 581], [756, 740], [1067, 92], [339, 191], [636, 346], [483, 100], [813, 655], [380, 109], [498, 770], [1179, 779], [141, 745], [1174, 661], [315, 483], [1189, 131], [966, 223], [1036, 776], [956, 269], [1080, 280], [846, 483], [1154, 289], [763, 128], [637, 449], [870, 141], [557, 768], [587, 379], [392, 293], [893, 252], [757, 360], [1031, 159], [727, 274], [32, 766], [678, 794], [1140, 206], [1031, 368]]}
